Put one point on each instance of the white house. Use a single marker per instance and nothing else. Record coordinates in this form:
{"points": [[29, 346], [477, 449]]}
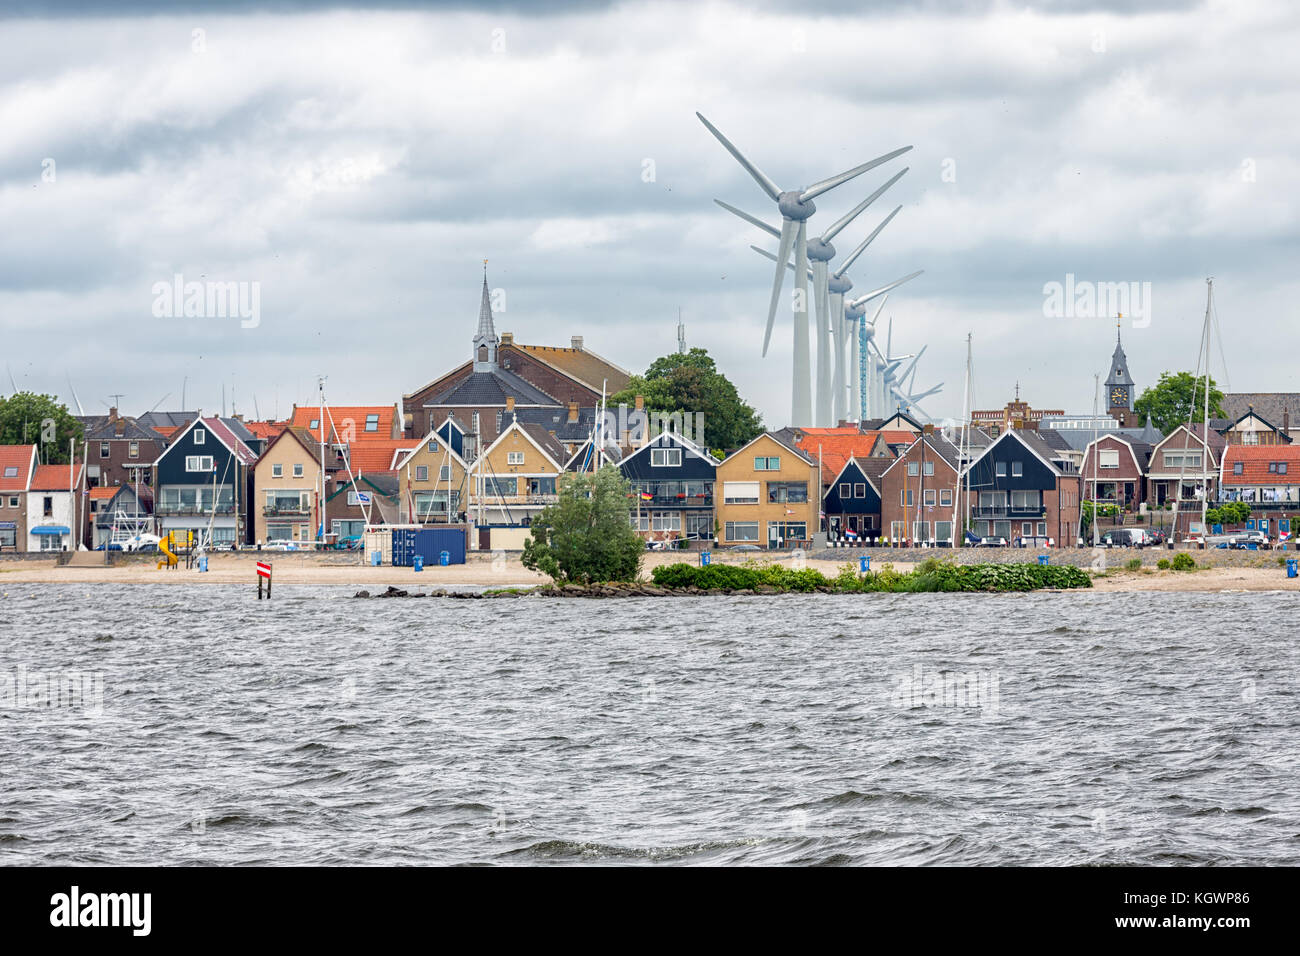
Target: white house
{"points": [[51, 520]]}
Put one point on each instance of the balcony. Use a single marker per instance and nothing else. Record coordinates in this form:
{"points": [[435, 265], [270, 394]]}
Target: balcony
{"points": [[1008, 513], [496, 501], [173, 510], [286, 511], [675, 501]]}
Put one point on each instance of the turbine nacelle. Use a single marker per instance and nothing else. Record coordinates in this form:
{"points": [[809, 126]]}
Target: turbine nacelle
{"points": [[792, 205]]}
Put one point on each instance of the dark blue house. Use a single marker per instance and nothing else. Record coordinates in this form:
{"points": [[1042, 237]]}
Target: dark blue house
{"points": [[852, 500], [672, 489], [204, 481], [1023, 490]]}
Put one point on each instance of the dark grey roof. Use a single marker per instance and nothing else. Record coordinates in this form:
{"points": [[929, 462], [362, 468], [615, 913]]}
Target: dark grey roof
{"points": [[491, 388], [1053, 439], [547, 441], [1271, 406], [166, 419], [1041, 446], [873, 468], [556, 419], [104, 428], [785, 438]]}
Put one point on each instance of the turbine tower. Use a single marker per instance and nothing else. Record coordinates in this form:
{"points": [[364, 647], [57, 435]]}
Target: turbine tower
{"points": [[795, 206]]}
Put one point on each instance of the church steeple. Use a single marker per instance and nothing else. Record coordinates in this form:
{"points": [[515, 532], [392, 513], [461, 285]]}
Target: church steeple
{"points": [[1119, 384], [485, 339]]}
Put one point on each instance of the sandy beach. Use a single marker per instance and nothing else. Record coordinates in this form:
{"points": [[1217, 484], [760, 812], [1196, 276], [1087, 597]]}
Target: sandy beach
{"points": [[507, 571]]}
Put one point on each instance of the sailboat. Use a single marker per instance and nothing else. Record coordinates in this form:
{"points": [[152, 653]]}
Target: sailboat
{"points": [[1202, 366]]}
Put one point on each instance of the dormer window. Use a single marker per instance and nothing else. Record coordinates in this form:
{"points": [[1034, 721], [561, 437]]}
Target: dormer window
{"points": [[665, 457], [372, 423]]}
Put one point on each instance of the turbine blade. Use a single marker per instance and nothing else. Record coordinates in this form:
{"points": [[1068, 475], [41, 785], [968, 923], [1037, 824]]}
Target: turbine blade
{"points": [[72, 389], [852, 214], [748, 218], [885, 288], [788, 229], [816, 189], [769, 187], [862, 246], [881, 309], [916, 358], [767, 255]]}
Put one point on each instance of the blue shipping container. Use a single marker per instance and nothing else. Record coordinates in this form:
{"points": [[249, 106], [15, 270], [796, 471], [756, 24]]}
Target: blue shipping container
{"points": [[429, 543]]}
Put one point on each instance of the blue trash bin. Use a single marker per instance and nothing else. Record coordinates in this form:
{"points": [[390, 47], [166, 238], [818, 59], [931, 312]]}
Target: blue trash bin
{"points": [[444, 558], [419, 562], [376, 558], [705, 558], [864, 563], [1291, 567], [203, 563], [1043, 559]]}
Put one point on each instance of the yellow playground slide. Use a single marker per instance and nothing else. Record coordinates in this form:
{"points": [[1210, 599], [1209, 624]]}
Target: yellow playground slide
{"points": [[170, 543]]}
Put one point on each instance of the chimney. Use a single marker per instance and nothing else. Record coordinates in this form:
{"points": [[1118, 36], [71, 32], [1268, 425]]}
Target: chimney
{"points": [[577, 341], [510, 403], [119, 426], [507, 338], [573, 411], [928, 429], [112, 413], [640, 403]]}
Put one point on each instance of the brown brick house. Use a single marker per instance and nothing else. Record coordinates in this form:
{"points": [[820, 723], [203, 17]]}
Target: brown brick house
{"points": [[119, 450], [919, 494]]}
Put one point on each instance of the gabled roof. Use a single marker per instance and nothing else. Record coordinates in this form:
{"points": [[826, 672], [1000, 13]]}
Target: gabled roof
{"points": [[302, 417], [581, 364], [1139, 451], [1216, 440], [672, 439], [378, 454], [219, 430], [266, 430], [1255, 460], [444, 448], [899, 417], [172, 420], [104, 428], [491, 388], [945, 449], [1032, 443], [837, 448], [1275, 406], [55, 477], [1251, 413], [105, 492], [536, 436], [872, 475], [782, 439], [21, 458], [302, 437]]}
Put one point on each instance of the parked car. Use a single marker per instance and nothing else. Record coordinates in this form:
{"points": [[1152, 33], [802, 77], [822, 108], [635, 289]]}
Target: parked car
{"points": [[745, 547], [990, 541], [281, 546], [141, 542], [1156, 537], [1033, 541], [1244, 539], [350, 542], [1123, 538]]}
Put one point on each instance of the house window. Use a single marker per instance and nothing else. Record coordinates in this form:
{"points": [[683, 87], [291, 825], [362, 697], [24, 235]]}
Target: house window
{"points": [[779, 492], [1272, 468], [740, 493], [928, 497], [920, 531], [1026, 500], [104, 449], [1000, 469], [1017, 469], [297, 470], [699, 525], [767, 464], [844, 491], [905, 497], [444, 473], [1281, 468], [665, 457], [372, 423], [927, 468], [133, 450], [1042, 529], [279, 532], [1107, 458], [945, 497], [13, 501], [1238, 467], [741, 530], [48, 506], [859, 490], [433, 444], [198, 463], [943, 531], [277, 471], [514, 458], [896, 531], [913, 469], [1176, 460], [200, 436], [421, 472], [666, 521], [1026, 528]]}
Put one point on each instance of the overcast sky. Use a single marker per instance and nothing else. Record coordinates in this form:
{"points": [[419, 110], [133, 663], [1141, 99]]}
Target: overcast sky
{"points": [[358, 164]]}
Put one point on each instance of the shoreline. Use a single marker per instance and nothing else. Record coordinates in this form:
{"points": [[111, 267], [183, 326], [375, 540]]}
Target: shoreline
{"points": [[484, 571]]}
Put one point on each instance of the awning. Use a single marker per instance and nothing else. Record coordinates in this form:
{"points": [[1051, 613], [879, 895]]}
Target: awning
{"points": [[50, 529]]}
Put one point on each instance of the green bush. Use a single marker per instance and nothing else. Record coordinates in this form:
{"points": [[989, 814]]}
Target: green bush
{"points": [[586, 536], [1183, 562], [930, 576], [1135, 564], [1163, 564]]}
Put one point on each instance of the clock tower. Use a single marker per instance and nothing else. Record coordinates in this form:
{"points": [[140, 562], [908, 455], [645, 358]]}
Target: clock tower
{"points": [[1119, 387]]}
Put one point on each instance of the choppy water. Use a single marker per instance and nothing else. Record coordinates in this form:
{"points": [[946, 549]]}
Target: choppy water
{"points": [[1098, 728]]}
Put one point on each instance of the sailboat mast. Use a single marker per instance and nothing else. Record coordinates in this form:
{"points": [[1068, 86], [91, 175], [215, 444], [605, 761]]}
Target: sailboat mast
{"points": [[1205, 427], [959, 535]]}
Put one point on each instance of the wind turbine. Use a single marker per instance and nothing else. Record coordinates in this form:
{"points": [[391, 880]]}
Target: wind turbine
{"points": [[795, 206]]}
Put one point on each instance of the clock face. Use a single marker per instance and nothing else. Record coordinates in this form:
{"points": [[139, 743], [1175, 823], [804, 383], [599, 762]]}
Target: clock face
{"points": [[1118, 396]]}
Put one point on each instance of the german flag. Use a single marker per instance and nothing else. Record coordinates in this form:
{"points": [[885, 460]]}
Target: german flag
{"points": [[646, 496]]}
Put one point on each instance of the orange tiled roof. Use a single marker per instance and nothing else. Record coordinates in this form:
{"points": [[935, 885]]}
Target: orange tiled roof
{"points": [[20, 458], [376, 454], [104, 492], [339, 414], [266, 429], [838, 447], [55, 477], [1255, 460], [167, 431]]}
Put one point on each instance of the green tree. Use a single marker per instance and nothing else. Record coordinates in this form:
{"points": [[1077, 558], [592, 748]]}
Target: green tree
{"points": [[690, 382], [30, 419], [586, 535], [1175, 398]]}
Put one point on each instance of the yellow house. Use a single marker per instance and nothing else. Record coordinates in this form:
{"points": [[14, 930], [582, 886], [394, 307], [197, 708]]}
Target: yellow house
{"points": [[286, 486], [767, 494], [434, 483], [515, 477]]}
